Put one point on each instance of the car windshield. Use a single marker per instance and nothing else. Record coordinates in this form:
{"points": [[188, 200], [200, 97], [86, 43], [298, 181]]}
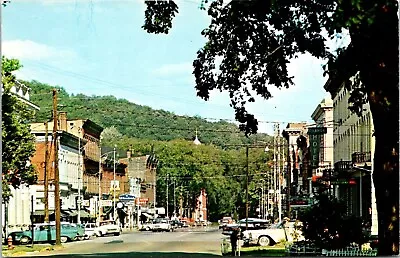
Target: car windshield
{"points": [[277, 225], [160, 221]]}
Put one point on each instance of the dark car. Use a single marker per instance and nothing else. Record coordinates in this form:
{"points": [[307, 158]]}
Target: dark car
{"points": [[176, 223]]}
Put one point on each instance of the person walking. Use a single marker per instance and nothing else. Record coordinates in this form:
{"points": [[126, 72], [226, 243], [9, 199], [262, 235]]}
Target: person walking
{"points": [[234, 239]]}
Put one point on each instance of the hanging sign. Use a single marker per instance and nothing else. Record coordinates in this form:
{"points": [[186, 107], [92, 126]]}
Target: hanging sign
{"points": [[315, 143]]}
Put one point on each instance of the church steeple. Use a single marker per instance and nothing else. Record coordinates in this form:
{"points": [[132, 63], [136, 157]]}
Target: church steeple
{"points": [[196, 140]]}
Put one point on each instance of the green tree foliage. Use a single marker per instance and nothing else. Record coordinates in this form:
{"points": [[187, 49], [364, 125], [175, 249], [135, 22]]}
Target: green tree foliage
{"points": [[18, 144], [136, 121], [257, 39], [221, 171], [327, 224]]}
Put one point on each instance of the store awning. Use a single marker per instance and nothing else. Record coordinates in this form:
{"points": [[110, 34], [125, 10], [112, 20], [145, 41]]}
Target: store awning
{"points": [[41, 213], [83, 214]]}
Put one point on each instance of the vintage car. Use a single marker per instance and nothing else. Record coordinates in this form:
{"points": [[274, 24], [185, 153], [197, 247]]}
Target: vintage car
{"points": [[46, 233], [161, 224], [252, 223], [225, 221], [108, 227], [283, 231], [90, 230], [147, 226]]}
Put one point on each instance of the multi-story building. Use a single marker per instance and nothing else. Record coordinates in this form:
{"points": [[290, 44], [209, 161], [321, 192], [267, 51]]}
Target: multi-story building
{"points": [[200, 212], [78, 162], [18, 208], [296, 134], [323, 118], [141, 178], [298, 171], [23, 94], [353, 154], [68, 165]]}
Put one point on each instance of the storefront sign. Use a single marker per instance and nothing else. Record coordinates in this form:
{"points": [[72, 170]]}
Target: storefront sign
{"points": [[126, 197], [315, 143], [316, 130]]}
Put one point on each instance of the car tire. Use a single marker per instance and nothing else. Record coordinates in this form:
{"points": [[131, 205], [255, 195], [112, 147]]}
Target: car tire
{"points": [[64, 239], [264, 241], [116, 234], [25, 240]]}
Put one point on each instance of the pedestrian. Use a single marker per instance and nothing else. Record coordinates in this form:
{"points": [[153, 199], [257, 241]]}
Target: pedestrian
{"points": [[234, 239]]}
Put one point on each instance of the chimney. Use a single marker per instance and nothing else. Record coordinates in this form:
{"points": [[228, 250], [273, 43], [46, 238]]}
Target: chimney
{"points": [[63, 121]]}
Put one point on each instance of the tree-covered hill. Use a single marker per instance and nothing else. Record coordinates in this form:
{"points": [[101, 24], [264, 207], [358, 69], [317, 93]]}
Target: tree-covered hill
{"points": [[132, 120]]}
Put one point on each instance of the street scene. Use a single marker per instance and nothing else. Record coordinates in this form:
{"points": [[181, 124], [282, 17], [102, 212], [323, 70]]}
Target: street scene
{"points": [[195, 128], [182, 243]]}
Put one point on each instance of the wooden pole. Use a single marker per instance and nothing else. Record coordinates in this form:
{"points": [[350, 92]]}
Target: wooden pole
{"points": [[46, 175], [56, 172], [247, 187]]}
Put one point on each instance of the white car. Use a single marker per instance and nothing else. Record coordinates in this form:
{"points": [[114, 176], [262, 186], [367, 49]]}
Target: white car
{"points": [[108, 227], [274, 234], [161, 224], [90, 230], [147, 226]]}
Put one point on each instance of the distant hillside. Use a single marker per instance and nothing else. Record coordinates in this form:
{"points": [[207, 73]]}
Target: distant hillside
{"points": [[136, 121]]}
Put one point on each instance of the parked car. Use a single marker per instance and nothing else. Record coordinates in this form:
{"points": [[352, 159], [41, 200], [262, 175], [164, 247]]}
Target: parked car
{"points": [[161, 224], [273, 234], [252, 223], [184, 223], [176, 224], [90, 230], [45, 233], [108, 227], [147, 226], [225, 221]]}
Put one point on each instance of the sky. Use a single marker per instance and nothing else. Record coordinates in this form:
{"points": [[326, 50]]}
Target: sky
{"points": [[97, 47]]}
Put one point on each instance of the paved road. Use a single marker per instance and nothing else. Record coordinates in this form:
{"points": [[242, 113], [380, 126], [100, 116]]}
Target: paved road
{"points": [[197, 242]]}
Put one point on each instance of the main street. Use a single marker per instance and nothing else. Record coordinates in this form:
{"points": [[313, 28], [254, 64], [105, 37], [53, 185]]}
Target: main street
{"points": [[193, 242]]}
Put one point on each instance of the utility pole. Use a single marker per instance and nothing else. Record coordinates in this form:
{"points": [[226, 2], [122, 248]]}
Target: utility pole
{"points": [[279, 175], [56, 172], [174, 200], [247, 186], [114, 215], [167, 197], [99, 204], [46, 174], [79, 176], [275, 161]]}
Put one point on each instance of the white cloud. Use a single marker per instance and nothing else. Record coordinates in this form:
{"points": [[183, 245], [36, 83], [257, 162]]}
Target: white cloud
{"points": [[174, 69], [27, 49]]}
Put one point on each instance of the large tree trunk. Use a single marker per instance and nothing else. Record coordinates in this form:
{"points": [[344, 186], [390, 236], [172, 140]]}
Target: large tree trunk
{"points": [[377, 50]]}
